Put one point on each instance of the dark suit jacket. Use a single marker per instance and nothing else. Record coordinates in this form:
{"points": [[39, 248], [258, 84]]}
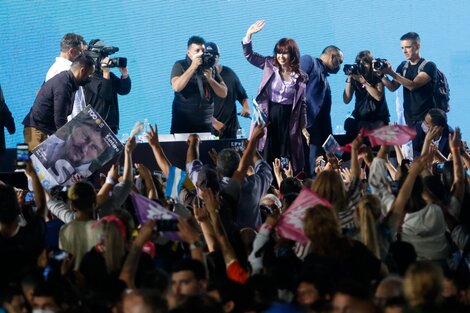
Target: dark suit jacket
{"points": [[6, 120], [443, 146]]}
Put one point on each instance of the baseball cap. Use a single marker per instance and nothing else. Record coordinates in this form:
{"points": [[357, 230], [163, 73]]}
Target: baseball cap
{"points": [[212, 47]]}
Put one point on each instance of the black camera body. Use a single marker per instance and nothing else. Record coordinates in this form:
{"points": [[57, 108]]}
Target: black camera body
{"points": [[354, 69], [380, 64], [208, 60], [98, 50]]}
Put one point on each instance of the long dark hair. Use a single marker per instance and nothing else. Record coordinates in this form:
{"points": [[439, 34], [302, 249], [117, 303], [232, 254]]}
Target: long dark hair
{"points": [[290, 46], [365, 57]]}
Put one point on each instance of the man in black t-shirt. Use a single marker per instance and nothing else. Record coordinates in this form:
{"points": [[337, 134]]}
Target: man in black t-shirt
{"points": [[416, 79], [225, 109], [194, 88]]}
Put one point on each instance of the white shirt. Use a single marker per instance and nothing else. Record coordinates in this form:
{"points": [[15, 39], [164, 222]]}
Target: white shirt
{"points": [[62, 64]]}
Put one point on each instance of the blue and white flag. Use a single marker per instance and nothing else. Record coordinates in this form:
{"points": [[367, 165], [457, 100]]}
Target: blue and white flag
{"points": [[177, 178], [259, 117]]}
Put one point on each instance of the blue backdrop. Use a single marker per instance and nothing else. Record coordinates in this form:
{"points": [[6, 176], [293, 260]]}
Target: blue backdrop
{"points": [[153, 35]]}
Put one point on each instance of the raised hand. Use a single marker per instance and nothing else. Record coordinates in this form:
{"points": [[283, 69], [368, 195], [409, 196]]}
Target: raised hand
{"points": [[144, 172], [455, 139], [193, 139], [152, 136], [131, 144], [258, 131], [254, 28]]}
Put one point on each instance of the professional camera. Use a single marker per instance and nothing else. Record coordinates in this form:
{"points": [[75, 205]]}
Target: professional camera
{"points": [[98, 50], [208, 60], [380, 64], [353, 69]]}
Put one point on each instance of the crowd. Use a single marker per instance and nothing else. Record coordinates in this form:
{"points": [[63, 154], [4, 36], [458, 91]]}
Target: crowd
{"points": [[376, 248], [388, 234]]}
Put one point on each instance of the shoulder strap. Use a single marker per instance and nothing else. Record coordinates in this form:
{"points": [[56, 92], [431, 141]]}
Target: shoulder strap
{"points": [[421, 66], [405, 68]]}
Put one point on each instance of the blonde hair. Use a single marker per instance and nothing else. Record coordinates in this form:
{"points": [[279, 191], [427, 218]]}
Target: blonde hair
{"points": [[368, 212], [114, 246], [322, 227], [329, 185], [423, 283]]}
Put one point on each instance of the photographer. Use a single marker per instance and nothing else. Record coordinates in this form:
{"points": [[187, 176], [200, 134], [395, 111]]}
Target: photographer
{"points": [[195, 82], [370, 109], [104, 87]]}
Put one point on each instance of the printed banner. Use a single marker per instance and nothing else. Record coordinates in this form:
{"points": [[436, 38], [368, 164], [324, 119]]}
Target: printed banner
{"points": [[80, 147], [291, 223], [146, 209]]}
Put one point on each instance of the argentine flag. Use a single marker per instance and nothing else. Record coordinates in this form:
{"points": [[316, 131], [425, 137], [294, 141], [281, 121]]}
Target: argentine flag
{"points": [[176, 179]]}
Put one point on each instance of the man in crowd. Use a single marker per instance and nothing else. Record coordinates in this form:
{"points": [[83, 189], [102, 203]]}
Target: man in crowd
{"points": [[188, 278], [71, 46], [195, 85], [417, 80], [54, 101], [318, 95], [225, 109]]}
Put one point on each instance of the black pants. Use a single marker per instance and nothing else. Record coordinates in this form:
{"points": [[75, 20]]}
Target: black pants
{"points": [[277, 141]]}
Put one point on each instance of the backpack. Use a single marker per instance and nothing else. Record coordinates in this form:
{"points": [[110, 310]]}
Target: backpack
{"points": [[441, 90]]}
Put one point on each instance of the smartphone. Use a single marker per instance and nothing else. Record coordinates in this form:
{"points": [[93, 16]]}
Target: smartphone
{"points": [[438, 168], [29, 197], [22, 155], [284, 162], [167, 225]]}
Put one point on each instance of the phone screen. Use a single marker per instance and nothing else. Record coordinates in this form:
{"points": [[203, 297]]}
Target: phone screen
{"points": [[284, 162], [167, 225], [22, 155]]}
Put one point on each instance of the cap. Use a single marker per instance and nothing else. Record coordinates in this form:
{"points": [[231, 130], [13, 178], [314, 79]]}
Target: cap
{"points": [[212, 47]]}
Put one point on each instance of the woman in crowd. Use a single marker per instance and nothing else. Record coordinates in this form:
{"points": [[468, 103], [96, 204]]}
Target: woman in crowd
{"points": [[281, 96], [370, 108]]}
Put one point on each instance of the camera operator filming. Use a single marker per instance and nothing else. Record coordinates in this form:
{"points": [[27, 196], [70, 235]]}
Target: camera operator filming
{"points": [[370, 108], [195, 82], [104, 87]]}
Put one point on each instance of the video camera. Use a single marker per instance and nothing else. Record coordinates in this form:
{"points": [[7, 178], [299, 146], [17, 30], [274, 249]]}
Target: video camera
{"points": [[98, 50]]}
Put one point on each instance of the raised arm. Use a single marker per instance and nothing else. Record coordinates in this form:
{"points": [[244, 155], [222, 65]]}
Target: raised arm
{"points": [[131, 262], [250, 153], [178, 83], [146, 176], [39, 194], [162, 161], [458, 186], [254, 58], [193, 148], [420, 80], [217, 84], [404, 194]]}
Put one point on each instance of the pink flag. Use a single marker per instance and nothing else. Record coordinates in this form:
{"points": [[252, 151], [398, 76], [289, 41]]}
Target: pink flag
{"points": [[291, 223], [390, 135], [146, 209]]}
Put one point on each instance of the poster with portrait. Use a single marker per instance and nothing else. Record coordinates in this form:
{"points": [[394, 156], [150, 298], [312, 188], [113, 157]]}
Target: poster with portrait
{"points": [[80, 147]]}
